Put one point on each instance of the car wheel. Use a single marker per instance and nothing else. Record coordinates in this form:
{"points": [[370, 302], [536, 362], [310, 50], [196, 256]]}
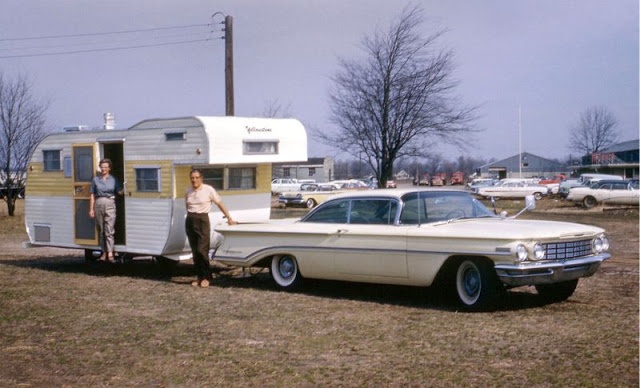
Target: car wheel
{"points": [[557, 292], [311, 203], [589, 202], [537, 196], [285, 272], [476, 284]]}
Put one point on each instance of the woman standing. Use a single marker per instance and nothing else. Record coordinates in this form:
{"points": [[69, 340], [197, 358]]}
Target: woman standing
{"points": [[198, 199], [102, 207]]}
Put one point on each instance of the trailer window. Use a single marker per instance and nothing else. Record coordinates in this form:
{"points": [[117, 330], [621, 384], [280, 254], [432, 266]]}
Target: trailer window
{"points": [[251, 147], [242, 178], [147, 179], [213, 177], [51, 159]]}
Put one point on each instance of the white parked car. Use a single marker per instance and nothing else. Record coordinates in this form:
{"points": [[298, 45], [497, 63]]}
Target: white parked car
{"points": [[513, 189], [615, 192], [283, 185], [420, 237]]}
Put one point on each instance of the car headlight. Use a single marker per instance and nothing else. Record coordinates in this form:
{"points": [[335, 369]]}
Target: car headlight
{"points": [[538, 251], [600, 244], [521, 252]]}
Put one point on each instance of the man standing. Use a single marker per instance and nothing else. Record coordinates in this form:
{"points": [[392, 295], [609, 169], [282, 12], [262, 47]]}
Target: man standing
{"points": [[198, 199]]}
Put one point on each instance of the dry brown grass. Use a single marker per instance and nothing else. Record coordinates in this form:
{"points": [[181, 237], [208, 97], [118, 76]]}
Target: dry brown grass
{"points": [[65, 323]]}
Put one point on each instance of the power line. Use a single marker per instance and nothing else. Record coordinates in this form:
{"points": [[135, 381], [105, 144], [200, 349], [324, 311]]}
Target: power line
{"points": [[69, 41], [93, 43], [103, 49], [103, 33]]}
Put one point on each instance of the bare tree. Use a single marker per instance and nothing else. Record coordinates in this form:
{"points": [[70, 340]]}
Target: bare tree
{"points": [[594, 131], [22, 127], [396, 102], [274, 109]]}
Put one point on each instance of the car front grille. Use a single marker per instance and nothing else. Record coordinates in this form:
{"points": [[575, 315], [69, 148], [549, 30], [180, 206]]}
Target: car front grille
{"points": [[567, 250]]}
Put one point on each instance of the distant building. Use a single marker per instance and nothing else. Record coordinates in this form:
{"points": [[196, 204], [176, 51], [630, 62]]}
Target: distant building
{"points": [[524, 165], [619, 159], [319, 169]]}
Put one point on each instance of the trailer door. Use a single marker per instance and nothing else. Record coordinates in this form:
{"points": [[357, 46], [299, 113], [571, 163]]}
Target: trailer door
{"points": [[83, 171]]}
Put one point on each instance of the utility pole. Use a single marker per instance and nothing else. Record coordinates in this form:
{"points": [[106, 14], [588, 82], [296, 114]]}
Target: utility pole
{"points": [[228, 64], [228, 61]]}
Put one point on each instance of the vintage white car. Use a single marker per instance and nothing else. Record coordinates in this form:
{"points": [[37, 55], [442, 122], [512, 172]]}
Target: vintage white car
{"points": [[309, 196], [615, 192], [513, 189], [420, 237]]}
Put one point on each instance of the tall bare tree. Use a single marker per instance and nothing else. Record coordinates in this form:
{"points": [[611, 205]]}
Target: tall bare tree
{"points": [[594, 131], [22, 127], [397, 101]]}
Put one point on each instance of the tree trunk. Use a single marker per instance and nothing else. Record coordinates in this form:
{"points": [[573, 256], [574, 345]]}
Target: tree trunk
{"points": [[11, 205]]}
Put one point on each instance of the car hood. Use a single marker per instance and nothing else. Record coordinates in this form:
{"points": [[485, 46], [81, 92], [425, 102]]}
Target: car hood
{"points": [[510, 228]]}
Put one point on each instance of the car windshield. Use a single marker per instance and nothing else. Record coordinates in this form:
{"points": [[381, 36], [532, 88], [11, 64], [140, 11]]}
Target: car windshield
{"points": [[419, 207]]}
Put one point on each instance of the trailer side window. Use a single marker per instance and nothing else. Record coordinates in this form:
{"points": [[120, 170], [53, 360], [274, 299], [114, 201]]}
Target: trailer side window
{"points": [[51, 160], [147, 179], [213, 177], [242, 178]]}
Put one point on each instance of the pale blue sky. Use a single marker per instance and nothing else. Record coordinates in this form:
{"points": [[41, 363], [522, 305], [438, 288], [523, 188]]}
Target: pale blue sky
{"points": [[550, 58]]}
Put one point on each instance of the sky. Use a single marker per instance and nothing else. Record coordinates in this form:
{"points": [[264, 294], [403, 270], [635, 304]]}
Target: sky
{"points": [[532, 67]]}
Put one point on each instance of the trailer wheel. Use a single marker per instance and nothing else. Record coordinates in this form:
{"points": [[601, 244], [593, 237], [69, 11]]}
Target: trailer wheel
{"points": [[285, 272], [89, 257], [166, 265]]}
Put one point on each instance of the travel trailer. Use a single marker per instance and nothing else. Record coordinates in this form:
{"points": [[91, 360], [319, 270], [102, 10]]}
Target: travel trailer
{"points": [[155, 157]]}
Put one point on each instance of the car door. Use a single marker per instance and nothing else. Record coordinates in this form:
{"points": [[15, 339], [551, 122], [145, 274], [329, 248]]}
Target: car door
{"points": [[367, 245]]}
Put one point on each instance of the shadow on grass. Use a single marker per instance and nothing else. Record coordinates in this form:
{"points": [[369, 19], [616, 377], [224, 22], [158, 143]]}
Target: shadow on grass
{"points": [[183, 274]]}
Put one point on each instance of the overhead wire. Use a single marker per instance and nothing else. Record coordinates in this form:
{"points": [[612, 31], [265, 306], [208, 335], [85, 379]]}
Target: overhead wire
{"points": [[98, 46]]}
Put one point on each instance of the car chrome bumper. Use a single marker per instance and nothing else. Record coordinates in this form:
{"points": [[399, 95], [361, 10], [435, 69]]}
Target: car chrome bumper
{"points": [[292, 201], [542, 272]]}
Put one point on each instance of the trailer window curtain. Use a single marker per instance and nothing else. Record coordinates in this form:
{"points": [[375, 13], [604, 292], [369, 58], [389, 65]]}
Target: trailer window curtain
{"points": [[213, 177], [242, 178]]}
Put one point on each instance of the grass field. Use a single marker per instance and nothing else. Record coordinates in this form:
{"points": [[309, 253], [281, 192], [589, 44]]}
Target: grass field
{"points": [[64, 323]]}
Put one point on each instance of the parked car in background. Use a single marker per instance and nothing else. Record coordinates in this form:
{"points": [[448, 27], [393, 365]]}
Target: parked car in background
{"points": [[351, 184], [513, 189], [477, 183], [18, 191], [457, 178], [439, 179], [585, 179], [391, 184], [423, 180], [420, 237], [310, 195], [615, 192], [564, 187], [283, 185], [553, 184]]}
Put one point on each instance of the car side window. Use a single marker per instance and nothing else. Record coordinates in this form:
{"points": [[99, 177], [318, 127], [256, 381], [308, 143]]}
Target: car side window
{"points": [[414, 211], [334, 212], [373, 211]]}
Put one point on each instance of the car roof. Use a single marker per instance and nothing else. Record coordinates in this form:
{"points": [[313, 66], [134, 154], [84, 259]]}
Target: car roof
{"points": [[391, 193], [605, 181]]}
